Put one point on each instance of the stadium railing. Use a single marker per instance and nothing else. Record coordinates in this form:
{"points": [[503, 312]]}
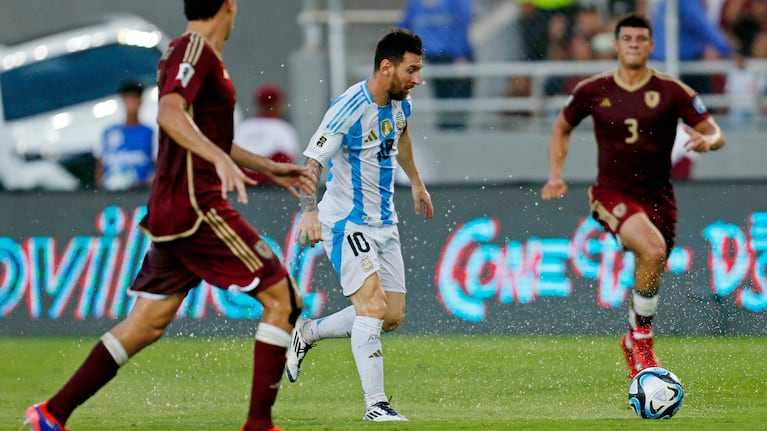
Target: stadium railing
{"points": [[337, 20], [539, 72]]}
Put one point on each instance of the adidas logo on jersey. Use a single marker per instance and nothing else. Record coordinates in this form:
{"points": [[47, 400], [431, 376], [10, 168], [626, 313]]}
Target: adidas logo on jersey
{"points": [[370, 137], [605, 103]]}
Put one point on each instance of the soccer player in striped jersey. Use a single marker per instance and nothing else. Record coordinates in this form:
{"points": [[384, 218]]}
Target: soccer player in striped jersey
{"points": [[196, 233], [363, 138], [635, 111]]}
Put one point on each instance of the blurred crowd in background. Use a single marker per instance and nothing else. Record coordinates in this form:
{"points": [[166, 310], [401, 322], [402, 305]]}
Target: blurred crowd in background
{"points": [[581, 30], [540, 30]]}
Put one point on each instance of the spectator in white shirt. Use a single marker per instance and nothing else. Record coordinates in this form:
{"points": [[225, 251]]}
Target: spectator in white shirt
{"points": [[267, 133]]}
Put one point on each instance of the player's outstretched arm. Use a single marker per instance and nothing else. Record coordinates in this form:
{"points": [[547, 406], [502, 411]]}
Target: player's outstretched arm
{"points": [[559, 144], [292, 177], [421, 196], [705, 137], [309, 230], [173, 118]]}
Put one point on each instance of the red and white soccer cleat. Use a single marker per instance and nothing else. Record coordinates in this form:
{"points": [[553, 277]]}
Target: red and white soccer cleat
{"points": [[627, 347], [639, 352]]}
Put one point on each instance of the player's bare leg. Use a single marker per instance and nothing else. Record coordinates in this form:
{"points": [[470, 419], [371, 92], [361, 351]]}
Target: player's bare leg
{"points": [[395, 311], [649, 247], [144, 325], [146, 322], [282, 304]]}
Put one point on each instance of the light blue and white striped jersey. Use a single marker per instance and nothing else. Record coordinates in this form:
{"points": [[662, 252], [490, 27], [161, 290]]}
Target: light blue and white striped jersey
{"points": [[357, 141]]}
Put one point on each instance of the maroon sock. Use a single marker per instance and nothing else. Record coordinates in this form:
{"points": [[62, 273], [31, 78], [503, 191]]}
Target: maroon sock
{"points": [[97, 369], [268, 366]]}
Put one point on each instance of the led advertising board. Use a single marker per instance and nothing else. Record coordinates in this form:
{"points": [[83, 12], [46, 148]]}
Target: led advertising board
{"points": [[495, 259]]}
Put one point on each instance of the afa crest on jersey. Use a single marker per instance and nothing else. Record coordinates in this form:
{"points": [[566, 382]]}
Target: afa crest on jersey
{"points": [[386, 127]]}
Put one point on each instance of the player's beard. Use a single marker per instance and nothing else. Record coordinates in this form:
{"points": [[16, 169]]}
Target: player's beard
{"points": [[400, 93]]}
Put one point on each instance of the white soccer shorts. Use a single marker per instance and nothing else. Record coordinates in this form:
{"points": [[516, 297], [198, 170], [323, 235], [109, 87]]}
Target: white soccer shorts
{"points": [[358, 251]]}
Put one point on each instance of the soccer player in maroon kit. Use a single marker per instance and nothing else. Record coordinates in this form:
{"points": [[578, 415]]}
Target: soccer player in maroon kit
{"points": [[635, 111], [196, 234]]}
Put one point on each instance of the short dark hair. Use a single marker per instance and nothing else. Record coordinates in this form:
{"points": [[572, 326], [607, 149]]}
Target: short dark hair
{"points": [[393, 46], [201, 9], [632, 20], [131, 87]]}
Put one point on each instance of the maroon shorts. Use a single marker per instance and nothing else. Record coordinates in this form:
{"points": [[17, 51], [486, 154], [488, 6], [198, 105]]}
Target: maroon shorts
{"points": [[612, 208], [225, 251]]}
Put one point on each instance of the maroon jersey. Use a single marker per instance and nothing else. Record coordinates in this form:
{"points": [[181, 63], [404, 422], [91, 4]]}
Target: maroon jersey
{"points": [[186, 186], [635, 128]]}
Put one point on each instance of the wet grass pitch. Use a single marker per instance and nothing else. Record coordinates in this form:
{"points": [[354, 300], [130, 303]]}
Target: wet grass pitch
{"points": [[438, 382]]}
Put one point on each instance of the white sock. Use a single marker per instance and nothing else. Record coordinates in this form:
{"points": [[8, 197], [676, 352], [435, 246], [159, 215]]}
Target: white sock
{"points": [[337, 325], [115, 348], [273, 335], [644, 307], [368, 354]]}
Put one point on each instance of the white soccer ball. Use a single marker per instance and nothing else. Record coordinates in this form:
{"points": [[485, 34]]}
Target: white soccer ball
{"points": [[655, 393]]}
